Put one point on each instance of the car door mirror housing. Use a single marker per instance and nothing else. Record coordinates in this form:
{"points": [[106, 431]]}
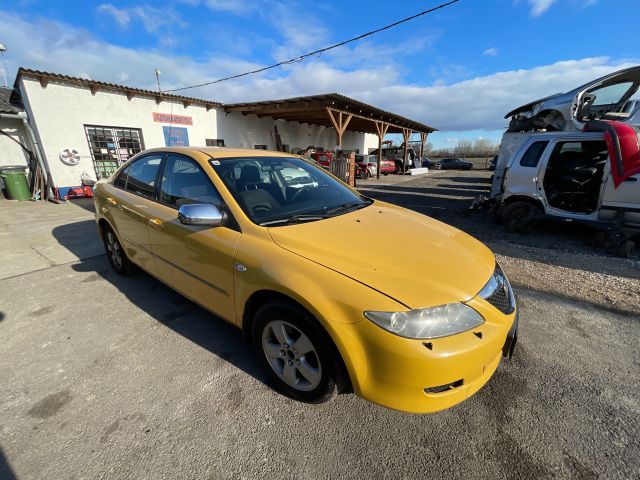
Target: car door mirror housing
{"points": [[203, 214]]}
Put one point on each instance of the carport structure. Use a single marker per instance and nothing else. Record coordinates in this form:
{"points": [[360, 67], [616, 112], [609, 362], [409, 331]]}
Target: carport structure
{"points": [[340, 112]]}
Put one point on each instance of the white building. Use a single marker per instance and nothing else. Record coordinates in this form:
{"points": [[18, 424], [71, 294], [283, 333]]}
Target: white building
{"points": [[87, 128]]}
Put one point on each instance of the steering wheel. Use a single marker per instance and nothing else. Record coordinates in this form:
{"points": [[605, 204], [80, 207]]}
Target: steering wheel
{"points": [[299, 192]]}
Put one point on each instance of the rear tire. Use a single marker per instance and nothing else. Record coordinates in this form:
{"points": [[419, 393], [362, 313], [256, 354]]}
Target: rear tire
{"points": [[116, 254], [296, 353], [520, 216]]}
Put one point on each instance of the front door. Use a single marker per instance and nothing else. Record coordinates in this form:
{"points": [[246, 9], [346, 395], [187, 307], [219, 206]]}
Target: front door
{"points": [[196, 260], [135, 188]]}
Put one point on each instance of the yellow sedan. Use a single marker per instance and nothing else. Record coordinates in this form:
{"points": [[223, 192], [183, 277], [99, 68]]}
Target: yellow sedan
{"points": [[337, 292]]}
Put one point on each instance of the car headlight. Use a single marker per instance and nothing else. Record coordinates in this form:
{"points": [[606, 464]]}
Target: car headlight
{"points": [[426, 323]]}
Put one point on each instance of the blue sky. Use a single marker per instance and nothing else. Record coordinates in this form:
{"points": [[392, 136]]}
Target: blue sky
{"points": [[459, 70]]}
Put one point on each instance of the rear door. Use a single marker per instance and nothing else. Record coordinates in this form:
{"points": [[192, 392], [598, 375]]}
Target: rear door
{"points": [[196, 260], [625, 197], [135, 189]]}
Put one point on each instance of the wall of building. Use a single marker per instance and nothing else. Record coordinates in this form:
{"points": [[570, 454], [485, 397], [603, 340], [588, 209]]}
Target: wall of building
{"points": [[10, 152], [59, 112], [246, 131]]}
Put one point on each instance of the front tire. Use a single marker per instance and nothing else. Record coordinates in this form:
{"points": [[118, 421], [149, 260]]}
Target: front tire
{"points": [[295, 353], [520, 216], [116, 254]]}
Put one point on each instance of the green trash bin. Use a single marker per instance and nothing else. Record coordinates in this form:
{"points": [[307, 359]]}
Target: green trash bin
{"points": [[15, 179]]}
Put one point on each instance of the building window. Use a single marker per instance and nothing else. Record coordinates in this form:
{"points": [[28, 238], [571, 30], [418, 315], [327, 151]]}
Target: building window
{"points": [[260, 147], [214, 142], [110, 147]]}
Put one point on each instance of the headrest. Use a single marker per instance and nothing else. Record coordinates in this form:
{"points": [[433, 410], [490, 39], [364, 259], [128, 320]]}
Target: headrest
{"points": [[250, 174]]}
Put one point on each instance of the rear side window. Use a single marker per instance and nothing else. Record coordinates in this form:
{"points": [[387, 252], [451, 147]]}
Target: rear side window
{"points": [[142, 176], [532, 156], [184, 182]]}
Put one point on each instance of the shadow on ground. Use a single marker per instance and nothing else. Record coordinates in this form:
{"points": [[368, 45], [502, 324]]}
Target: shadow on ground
{"points": [[164, 304], [6, 473]]}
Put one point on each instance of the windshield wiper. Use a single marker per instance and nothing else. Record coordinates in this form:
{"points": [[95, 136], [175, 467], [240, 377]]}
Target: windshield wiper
{"points": [[346, 206], [293, 219]]}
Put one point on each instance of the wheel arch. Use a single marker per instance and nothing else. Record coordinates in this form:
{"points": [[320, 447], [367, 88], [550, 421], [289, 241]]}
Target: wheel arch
{"points": [[262, 297], [523, 198]]}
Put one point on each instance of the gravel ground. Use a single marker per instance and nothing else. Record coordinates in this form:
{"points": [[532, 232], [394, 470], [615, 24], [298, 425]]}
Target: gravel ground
{"points": [[112, 377]]}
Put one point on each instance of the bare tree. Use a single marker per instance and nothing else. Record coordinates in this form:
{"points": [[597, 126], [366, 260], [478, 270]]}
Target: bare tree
{"points": [[463, 148]]}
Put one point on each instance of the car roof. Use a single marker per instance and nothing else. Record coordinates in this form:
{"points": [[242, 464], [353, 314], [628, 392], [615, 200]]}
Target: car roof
{"points": [[222, 152]]}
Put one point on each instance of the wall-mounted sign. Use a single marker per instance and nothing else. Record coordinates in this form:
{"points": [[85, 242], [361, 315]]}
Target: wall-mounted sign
{"points": [[168, 118], [176, 136]]}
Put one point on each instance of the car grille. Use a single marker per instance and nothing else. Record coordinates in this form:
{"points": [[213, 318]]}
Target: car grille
{"points": [[498, 292], [500, 300]]}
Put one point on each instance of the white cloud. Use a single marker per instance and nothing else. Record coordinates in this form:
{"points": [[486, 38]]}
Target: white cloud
{"points": [[152, 18], [491, 52], [474, 103], [538, 7], [121, 16]]}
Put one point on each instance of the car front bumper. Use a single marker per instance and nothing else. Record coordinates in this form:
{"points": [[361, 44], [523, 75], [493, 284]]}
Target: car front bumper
{"points": [[424, 376]]}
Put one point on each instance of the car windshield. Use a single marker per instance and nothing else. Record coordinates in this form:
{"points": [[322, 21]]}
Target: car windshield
{"points": [[283, 190]]}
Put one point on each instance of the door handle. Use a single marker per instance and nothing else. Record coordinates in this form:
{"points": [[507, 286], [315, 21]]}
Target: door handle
{"points": [[111, 201], [631, 179], [155, 222]]}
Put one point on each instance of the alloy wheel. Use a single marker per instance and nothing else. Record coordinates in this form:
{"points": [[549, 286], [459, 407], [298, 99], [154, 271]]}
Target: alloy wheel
{"points": [[114, 250], [291, 355]]}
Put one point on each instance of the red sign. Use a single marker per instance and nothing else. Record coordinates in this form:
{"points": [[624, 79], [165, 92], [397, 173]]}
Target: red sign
{"points": [[168, 118]]}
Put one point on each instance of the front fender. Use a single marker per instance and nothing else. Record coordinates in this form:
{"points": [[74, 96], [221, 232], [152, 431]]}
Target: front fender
{"points": [[334, 300]]}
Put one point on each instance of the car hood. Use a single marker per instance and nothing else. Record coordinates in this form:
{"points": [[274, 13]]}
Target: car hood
{"points": [[407, 256]]}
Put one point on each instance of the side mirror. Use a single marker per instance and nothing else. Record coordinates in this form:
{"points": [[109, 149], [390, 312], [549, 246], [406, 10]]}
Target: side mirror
{"points": [[204, 214]]}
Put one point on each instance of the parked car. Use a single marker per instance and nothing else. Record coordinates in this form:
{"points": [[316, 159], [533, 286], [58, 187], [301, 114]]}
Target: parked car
{"points": [[453, 163], [364, 168], [324, 158], [590, 177], [280, 258], [371, 161], [396, 155], [427, 162], [605, 98]]}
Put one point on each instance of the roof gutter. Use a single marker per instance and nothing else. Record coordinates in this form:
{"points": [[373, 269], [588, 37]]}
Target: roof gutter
{"points": [[22, 116]]}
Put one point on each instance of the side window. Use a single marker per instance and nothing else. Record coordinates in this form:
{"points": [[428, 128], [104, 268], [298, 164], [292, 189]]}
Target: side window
{"points": [[579, 154], [532, 156], [184, 182], [121, 181], [610, 94], [142, 175]]}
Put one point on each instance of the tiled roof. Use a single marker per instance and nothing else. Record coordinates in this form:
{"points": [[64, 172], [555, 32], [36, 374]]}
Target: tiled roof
{"points": [[7, 104], [95, 85]]}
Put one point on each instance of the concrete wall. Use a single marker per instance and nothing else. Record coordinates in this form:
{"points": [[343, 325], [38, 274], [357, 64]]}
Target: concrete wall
{"points": [[59, 112], [10, 152], [239, 130]]}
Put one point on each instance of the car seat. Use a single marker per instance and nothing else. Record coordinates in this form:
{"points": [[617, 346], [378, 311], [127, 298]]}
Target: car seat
{"points": [[258, 202]]}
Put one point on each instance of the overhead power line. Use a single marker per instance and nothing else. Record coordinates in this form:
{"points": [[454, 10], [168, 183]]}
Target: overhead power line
{"points": [[316, 52]]}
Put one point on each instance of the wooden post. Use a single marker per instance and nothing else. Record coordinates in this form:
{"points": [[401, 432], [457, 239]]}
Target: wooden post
{"points": [[406, 133], [423, 141], [340, 124], [381, 128]]}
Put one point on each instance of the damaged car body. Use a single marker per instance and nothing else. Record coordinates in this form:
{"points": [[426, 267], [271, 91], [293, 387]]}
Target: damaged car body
{"points": [[606, 98], [574, 157]]}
